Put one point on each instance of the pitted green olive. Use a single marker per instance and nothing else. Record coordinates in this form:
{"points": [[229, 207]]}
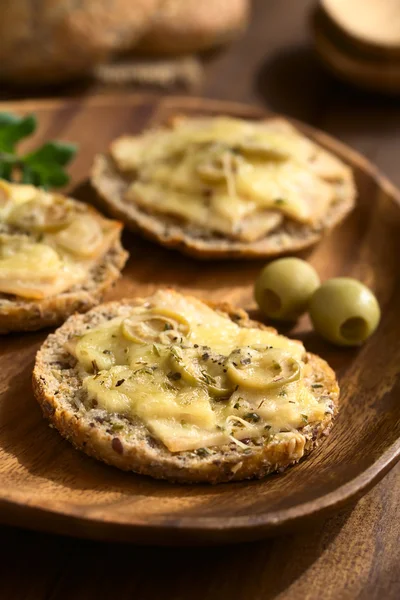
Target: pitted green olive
{"points": [[344, 311], [284, 288]]}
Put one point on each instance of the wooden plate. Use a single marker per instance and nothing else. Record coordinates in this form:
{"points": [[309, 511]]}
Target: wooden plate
{"points": [[46, 484]]}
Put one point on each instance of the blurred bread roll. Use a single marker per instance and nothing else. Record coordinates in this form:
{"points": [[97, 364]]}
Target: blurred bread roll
{"points": [[184, 26], [47, 41]]}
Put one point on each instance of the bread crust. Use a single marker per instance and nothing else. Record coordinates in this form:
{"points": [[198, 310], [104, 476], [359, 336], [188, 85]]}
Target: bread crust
{"points": [[18, 314], [131, 447], [184, 26], [171, 232]]}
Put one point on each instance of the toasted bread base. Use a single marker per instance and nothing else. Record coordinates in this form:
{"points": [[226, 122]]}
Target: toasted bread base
{"points": [[17, 314], [173, 233], [129, 445]]}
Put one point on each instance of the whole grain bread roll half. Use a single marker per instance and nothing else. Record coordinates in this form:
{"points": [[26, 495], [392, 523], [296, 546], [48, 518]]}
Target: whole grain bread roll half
{"points": [[289, 236], [128, 444]]}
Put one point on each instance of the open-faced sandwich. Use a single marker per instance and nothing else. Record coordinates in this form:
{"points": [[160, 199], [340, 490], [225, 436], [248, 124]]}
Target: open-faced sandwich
{"points": [[174, 388], [224, 187], [57, 256]]}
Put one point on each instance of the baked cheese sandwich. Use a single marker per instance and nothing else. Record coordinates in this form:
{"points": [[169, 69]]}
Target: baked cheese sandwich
{"points": [[174, 388], [57, 256], [220, 187]]}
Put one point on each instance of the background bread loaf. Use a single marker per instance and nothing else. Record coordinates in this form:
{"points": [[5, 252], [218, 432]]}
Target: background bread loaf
{"points": [[51, 41]]}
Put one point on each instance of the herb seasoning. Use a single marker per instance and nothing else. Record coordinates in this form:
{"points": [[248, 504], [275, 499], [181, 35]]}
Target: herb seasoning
{"points": [[252, 417]]}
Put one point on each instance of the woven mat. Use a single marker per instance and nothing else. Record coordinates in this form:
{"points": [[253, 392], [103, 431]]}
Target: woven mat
{"points": [[185, 72]]}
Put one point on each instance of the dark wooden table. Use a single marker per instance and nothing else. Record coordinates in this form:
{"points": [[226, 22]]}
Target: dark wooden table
{"points": [[355, 554]]}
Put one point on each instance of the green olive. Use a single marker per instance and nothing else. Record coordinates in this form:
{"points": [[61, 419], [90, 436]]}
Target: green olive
{"points": [[284, 288], [344, 311]]}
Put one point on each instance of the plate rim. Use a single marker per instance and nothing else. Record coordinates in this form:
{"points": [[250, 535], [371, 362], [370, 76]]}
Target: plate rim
{"points": [[256, 526], [260, 524]]}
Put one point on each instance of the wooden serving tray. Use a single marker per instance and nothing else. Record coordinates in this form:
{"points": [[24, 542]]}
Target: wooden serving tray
{"points": [[46, 484]]}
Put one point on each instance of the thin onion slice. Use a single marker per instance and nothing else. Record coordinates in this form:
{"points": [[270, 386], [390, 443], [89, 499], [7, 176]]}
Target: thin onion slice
{"points": [[157, 325], [41, 216], [260, 368], [83, 236]]}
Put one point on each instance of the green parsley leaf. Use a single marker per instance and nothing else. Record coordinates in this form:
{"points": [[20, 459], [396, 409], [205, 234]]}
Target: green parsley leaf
{"points": [[43, 167], [5, 170], [60, 153], [13, 129]]}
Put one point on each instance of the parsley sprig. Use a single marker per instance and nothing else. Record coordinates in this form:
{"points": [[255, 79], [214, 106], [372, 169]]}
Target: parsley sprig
{"points": [[44, 166]]}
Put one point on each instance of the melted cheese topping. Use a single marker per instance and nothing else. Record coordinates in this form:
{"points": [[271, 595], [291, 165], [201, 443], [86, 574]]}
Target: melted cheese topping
{"points": [[231, 176], [177, 396], [48, 243]]}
